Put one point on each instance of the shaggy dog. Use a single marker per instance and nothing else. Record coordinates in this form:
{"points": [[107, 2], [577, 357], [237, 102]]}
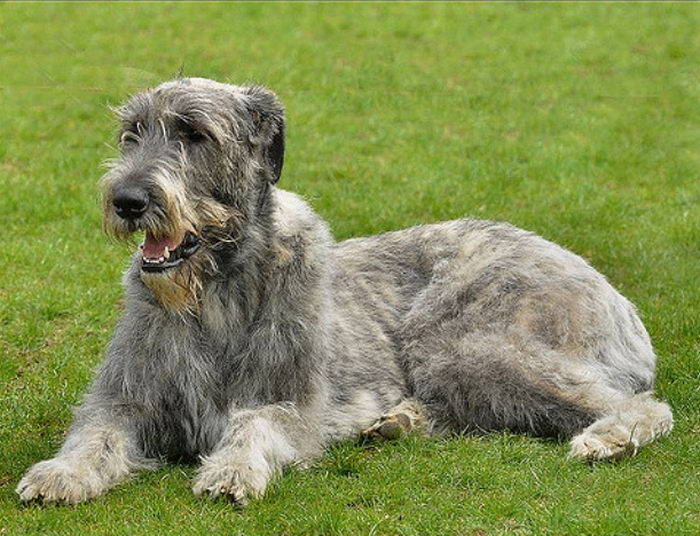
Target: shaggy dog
{"points": [[251, 340]]}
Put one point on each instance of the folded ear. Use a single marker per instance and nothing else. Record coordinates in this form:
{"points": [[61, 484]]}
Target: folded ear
{"points": [[267, 132]]}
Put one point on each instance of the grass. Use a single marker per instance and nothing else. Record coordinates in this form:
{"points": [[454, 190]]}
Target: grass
{"points": [[577, 121]]}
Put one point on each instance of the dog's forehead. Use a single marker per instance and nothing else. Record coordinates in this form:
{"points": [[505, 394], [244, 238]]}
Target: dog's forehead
{"points": [[181, 97]]}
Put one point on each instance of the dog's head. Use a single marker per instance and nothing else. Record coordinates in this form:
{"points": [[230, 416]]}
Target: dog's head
{"points": [[197, 159]]}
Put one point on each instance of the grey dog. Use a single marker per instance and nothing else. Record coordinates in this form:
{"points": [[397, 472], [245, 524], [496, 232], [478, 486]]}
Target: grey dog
{"points": [[251, 340]]}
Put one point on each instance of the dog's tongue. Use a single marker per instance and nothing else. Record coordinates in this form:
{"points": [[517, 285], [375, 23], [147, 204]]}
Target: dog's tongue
{"points": [[154, 248]]}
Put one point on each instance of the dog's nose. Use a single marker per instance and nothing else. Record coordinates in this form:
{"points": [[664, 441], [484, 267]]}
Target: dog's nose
{"points": [[130, 202]]}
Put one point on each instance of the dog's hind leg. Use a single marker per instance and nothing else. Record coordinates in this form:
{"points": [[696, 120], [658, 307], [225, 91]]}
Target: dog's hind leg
{"points": [[484, 383], [257, 445], [628, 424]]}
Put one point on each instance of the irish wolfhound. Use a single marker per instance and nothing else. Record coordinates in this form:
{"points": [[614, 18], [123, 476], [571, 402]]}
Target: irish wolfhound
{"points": [[251, 340]]}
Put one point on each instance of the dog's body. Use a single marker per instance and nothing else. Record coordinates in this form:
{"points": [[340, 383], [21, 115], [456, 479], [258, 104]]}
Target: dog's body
{"points": [[252, 340]]}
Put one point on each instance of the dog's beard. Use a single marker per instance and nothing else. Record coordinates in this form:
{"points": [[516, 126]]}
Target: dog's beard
{"points": [[178, 289]]}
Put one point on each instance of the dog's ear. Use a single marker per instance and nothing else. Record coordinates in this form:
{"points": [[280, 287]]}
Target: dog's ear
{"points": [[267, 118]]}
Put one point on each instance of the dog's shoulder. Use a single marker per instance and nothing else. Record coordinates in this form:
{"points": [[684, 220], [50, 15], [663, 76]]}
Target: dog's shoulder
{"points": [[299, 233]]}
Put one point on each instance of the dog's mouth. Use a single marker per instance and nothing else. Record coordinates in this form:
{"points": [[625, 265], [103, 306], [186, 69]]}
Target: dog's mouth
{"points": [[165, 253]]}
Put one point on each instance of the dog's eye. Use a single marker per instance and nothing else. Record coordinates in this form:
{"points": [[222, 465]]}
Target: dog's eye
{"points": [[196, 136], [130, 134], [192, 132]]}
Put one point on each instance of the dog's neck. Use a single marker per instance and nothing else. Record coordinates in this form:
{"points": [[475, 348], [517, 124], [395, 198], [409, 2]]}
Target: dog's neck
{"points": [[272, 247]]}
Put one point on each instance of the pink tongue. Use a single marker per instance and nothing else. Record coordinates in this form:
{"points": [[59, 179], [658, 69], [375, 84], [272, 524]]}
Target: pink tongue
{"points": [[154, 248]]}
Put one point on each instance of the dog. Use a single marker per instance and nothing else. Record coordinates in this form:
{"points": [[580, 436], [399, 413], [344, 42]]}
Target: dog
{"points": [[251, 340]]}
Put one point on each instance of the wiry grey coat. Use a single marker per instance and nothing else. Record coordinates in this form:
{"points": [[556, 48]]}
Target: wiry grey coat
{"points": [[251, 340]]}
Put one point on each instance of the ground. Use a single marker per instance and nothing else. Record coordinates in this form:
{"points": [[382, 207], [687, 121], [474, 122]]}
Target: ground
{"points": [[580, 122]]}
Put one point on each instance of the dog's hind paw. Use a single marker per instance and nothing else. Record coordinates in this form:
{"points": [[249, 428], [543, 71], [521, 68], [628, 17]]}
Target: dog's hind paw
{"points": [[388, 427], [613, 444], [407, 417]]}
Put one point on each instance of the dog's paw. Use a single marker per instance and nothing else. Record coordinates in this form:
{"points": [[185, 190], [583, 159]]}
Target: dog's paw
{"points": [[407, 417], [57, 480], [388, 427], [663, 426], [235, 482], [613, 443]]}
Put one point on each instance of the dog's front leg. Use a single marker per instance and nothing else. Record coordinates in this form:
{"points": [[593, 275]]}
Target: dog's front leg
{"points": [[257, 445], [98, 453]]}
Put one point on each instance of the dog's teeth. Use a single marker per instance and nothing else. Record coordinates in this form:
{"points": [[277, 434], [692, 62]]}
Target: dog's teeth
{"points": [[166, 253], [151, 260]]}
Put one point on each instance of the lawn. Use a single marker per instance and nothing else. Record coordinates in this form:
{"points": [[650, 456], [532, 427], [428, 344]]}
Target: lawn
{"points": [[578, 121]]}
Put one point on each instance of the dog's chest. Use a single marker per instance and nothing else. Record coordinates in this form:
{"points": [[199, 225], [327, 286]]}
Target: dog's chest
{"points": [[190, 406]]}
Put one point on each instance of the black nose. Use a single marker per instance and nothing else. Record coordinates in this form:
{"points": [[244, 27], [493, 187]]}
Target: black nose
{"points": [[130, 202]]}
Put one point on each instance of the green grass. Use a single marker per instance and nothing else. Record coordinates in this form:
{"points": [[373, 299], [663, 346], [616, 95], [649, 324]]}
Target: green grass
{"points": [[578, 121]]}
